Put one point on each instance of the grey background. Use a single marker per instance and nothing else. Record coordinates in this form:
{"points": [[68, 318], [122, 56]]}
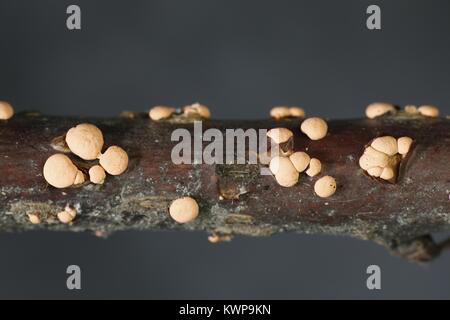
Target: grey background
{"points": [[240, 58]]}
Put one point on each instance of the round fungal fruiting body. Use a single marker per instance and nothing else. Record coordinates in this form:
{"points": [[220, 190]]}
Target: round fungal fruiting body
{"points": [[386, 144], [297, 112], [387, 174], [429, 111], [184, 210], [280, 112], [6, 110], [375, 171], [373, 158], [197, 109], [300, 160], [377, 109], [79, 178], [325, 187], [314, 167], [97, 174], [59, 171], [114, 160], [284, 171], [161, 112], [85, 140], [411, 109], [34, 218], [67, 215], [279, 135], [404, 144], [315, 128]]}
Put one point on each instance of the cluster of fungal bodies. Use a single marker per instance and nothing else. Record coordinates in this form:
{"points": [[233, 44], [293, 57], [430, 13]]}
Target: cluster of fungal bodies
{"points": [[195, 110], [280, 112], [382, 157], [287, 165], [85, 141], [378, 109]]}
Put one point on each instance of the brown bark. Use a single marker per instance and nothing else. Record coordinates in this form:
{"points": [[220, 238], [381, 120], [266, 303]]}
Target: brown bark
{"points": [[236, 199]]}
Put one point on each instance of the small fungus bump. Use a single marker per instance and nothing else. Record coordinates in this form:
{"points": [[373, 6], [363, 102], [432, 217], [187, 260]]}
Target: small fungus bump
{"points": [[197, 109], [325, 187], [429, 111], [378, 109], [68, 215], [216, 238], [97, 174], [387, 174], [6, 110], [375, 171], [85, 140], [373, 158], [184, 210], [315, 128], [386, 144], [297, 112], [280, 112], [79, 178], [284, 171], [114, 160], [34, 218], [404, 144], [59, 171], [279, 135], [411, 109], [314, 167], [300, 160], [161, 112]]}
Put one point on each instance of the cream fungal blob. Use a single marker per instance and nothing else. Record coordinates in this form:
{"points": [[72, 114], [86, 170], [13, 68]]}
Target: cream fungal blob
{"points": [[114, 160], [300, 160], [315, 128], [375, 171], [184, 210], [79, 178], [314, 167], [85, 140], [297, 112], [161, 112], [325, 187], [411, 109], [404, 144], [373, 158], [429, 111], [279, 135], [280, 112], [6, 110], [284, 171], [97, 174], [34, 218], [386, 144], [67, 215], [197, 109], [59, 171], [387, 173], [378, 109]]}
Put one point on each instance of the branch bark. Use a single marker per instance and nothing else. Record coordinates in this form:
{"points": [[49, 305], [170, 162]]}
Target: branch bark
{"points": [[236, 199]]}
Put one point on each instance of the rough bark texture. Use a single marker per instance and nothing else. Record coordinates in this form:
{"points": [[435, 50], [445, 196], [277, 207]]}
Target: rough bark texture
{"points": [[236, 199]]}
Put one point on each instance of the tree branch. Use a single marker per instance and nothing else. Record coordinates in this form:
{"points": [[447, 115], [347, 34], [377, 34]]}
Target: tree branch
{"points": [[236, 199]]}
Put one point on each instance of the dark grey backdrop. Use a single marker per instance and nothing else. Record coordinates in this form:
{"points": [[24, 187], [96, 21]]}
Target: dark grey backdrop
{"points": [[240, 58]]}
